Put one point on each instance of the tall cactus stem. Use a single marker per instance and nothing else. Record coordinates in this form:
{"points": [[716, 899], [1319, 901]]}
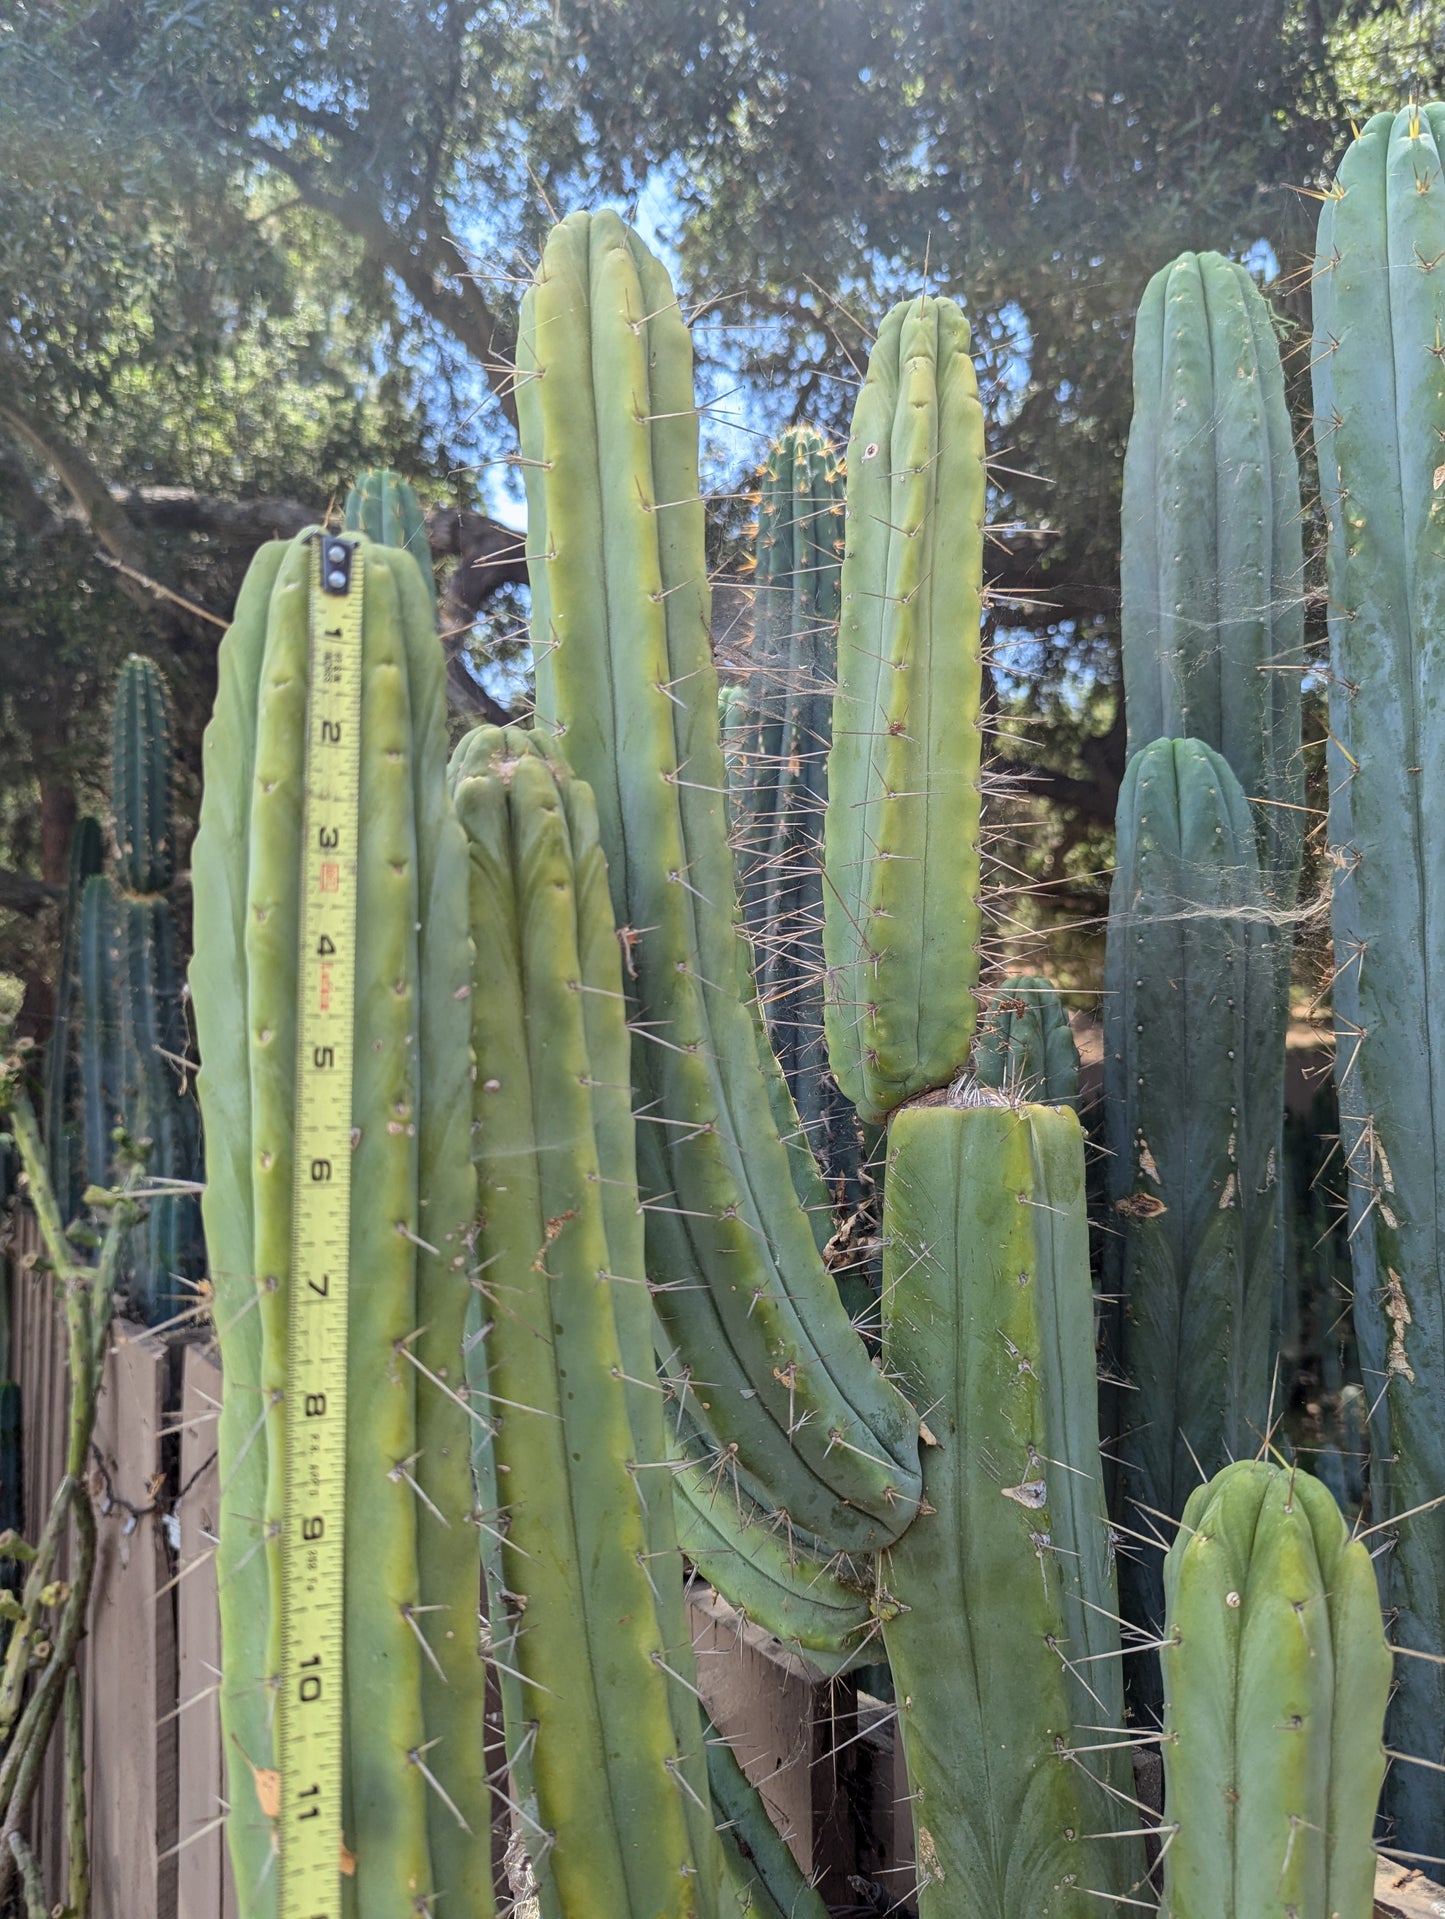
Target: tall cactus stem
{"points": [[626, 686], [902, 840], [1379, 403], [1004, 1645]]}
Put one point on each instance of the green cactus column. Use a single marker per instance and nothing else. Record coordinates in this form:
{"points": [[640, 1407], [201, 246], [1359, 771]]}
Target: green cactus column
{"points": [[1276, 1674], [626, 686], [416, 1809], [1194, 1065], [1025, 1045], [1212, 567], [1379, 394], [563, 1366], [901, 911], [384, 507], [1004, 1644]]}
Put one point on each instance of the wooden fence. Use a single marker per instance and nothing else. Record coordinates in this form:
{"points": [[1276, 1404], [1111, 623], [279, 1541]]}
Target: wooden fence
{"points": [[822, 1754]]}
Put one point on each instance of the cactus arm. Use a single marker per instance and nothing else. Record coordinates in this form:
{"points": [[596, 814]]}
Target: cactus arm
{"points": [[219, 984], [219, 992], [789, 1382], [783, 1583], [1025, 1046], [903, 773], [272, 940], [574, 1560], [1363, 1674], [770, 1883], [156, 1107], [1379, 403], [1003, 1641], [776, 737], [399, 1764], [609, 1055], [102, 1074]]}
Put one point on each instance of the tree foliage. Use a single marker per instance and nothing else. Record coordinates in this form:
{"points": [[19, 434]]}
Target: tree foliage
{"points": [[246, 249]]}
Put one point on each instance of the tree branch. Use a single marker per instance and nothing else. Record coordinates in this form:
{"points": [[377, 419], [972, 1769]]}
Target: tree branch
{"points": [[434, 280], [101, 512]]}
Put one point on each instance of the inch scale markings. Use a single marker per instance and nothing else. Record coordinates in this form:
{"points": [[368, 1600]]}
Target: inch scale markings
{"points": [[314, 1522]]}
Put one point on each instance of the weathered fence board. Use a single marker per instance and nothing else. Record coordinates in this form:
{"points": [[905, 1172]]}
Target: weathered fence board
{"points": [[205, 1889], [129, 1666]]}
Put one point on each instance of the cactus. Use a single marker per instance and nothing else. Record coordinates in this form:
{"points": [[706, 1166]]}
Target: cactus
{"points": [[822, 1605], [1212, 567], [902, 836], [1276, 1674], [564, 1362], [626, 686], [760, 1866], [1025, 1045], [141, 771], [63, 1131], [777, 753], [133, 1031], [1379, 403], [385, 508], [1004, 1640], [1194, 1072], [416, 1813]]}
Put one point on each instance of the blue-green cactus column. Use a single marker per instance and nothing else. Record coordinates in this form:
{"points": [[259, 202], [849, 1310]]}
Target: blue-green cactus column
{"points": [[1212, 563], [1378, 361], [1194, 1062]]}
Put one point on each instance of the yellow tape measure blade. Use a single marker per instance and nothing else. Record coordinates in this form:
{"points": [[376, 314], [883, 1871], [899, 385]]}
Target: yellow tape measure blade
{"points": [[314, 1523]]}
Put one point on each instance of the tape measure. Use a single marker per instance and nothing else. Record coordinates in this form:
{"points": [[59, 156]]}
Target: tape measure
{"points": [[313, 1538]]}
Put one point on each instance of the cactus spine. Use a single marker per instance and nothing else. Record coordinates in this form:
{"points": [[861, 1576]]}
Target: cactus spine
{"points": [[416, 1815], [1004, 1640], [1379, 402], [1025, 1045], [1194, 1058], [1276, 1674], [626, 685], [903, 773], [587, 1605]]}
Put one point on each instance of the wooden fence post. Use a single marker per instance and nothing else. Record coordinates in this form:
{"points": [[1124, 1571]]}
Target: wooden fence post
{"points": [[129, 1655]]}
